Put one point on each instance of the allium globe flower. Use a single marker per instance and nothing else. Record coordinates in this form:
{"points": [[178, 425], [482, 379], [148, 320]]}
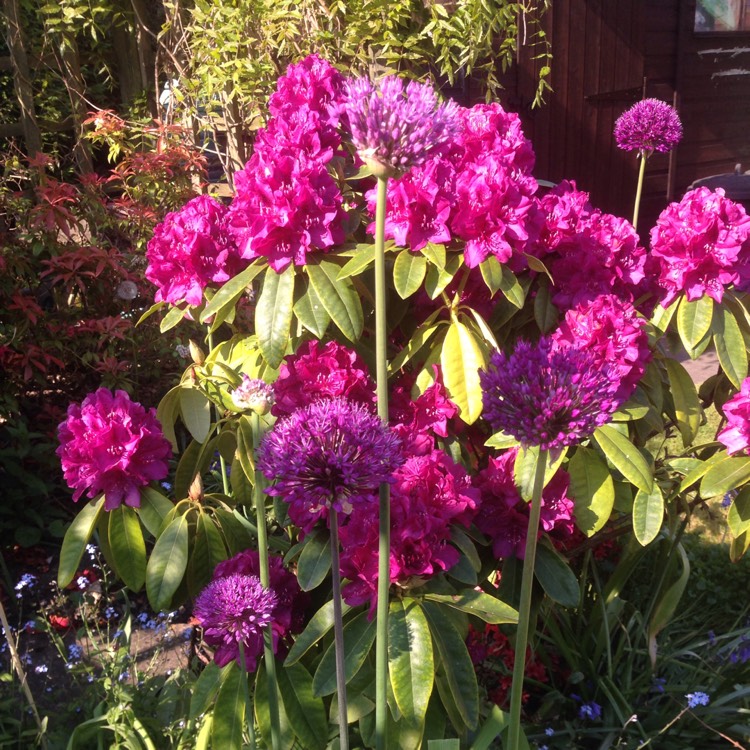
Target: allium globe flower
{"points": [[234, 610], [191, 250], [735, 435], [703, 245], [648, 126], [113, 445], [546, 396], [318, 371], [333, 453], [395, 126]]}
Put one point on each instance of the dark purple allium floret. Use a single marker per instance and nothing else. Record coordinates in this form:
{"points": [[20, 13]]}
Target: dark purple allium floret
{"points": [[650, 125], [332, 453], [395, 126], [234, 609], [548, 397]]}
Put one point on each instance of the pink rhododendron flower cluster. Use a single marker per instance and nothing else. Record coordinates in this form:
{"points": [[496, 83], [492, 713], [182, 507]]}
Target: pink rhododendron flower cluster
{"points": [[318, 371], [503, 515], [703, 246], [735, 435], [191, 250], [113, 445]]}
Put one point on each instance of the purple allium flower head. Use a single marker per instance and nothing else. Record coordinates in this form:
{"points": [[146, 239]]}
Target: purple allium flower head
{"points": [[234, 609], [548, 397], [253, 394], [697, 699], [648, 126], [332, 453], [736, 433], [113, 445], [396, 126]]}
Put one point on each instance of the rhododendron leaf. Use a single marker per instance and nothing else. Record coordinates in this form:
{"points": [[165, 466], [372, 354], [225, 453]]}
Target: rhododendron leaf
{"points": [[362, 260], [636, 407], [167, 412], [739, 546], [227, 297], [171, 319], [311, 312], [439, 278], [339, 298], [245, 446], [694, 322], [625, 457], [699, 471], [512, 290], [456, 663], [151, 310], [662, 317], [128, 546], [273, 314], [738, 517], [195, 410], [545, 313], [167, 564], [187, 468], [410, 660], [557, 579], [435, 254], [593, 490], [426, 376], [483, 329], [536, 265], [419, 338], [447, 707], [492, 273], [262, 708], [236, 535], [725, 475], [207, 552], [229, 710], [319, 625], [76, 538], [730, 346], [359, 635], [314, 561], [464, 543], [461, 360], [408, 272], [154, 509], [242, 487], [686, 404], [463, 571], [206, 688], [648, 514], [524, 468], [500, 441], [306, 713], [484, 606]]}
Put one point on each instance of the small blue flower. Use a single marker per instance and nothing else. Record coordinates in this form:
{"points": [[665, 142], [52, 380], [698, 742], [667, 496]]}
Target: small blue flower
{"points": [[91, 550], [167, 486], [117, 634], [75, 652], [82, 582], [549, 731], [729, 498], [142, 618], [590, 710], [697, 699], [124, 676], [27, 581], [41, 669], [657, 686], [110, 613]]}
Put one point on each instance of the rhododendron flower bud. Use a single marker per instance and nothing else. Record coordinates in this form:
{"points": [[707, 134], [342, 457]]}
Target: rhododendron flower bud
{"points": [[253, 394]]}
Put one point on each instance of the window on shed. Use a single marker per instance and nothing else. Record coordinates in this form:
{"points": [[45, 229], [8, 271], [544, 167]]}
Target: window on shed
{"points": [[722, 15]]}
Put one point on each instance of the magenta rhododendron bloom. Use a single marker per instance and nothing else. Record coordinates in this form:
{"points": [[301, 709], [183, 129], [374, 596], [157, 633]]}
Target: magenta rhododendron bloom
{"points": [[191, 250], [333, 453], [735, 435], [548, 396], [318, 371], [113, 445], [703, 246], [648, 126]]}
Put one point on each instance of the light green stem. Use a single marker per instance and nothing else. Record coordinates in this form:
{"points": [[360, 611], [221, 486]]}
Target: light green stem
{"points": [[259, 498], [384, 544], [524, 609], [248, 703], [338, 632], [639, 189], [222, 462]]}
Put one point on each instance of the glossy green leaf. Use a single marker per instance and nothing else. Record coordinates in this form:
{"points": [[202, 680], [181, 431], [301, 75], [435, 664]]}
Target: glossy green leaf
{"points": [[229, 294], [738, 517], [438, 278], [419, 338], [128, 546], [76, 538], [662, 317], [151, 310], [625, 457], [207, 552], [171, 319], [167, 412], [359, 635], [167, 564], [319, 625], [364, 258], [464, 543], [648, 514], [512, 290], [730, 346], [206, 688], [273, 314], [153, 510], [492, 273], [700, 470], [408, 273], [524, 468], [195, 410], [229, 711], [311, 312], [739, 546], [557, 579], [187, 468], [314, 561], [545, 313], [456, 663], [593, 490], [725, 475], [477, 603], [694, 321], [306, 713], [461, 360], [435, 254], [410, 661], [339, 298], [686, 403], [242, 488]]}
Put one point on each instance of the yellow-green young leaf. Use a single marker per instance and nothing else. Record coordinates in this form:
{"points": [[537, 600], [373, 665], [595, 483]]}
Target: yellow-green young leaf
{"points": [[363, 259], [128, 546], [339, 297], [694, 321], [306, 713], [273, 314], [593, 490], [195, 410], [730, 346], [419, 338], [662, 318], [311, 312], [484, 329], [151, 310], [512, 290], [438, 278], [738, 517], [686, 403], [725, 475], [739, 546], [408, 272], [484, 606], [461, 360], [229, 711], [171, 319], [167, 412], [699, 471], [492, 273], [167, 564], [524, 468], [435, 254], [625, 457], [76, 538], [230, 293], [500, 441], [648, 514]]}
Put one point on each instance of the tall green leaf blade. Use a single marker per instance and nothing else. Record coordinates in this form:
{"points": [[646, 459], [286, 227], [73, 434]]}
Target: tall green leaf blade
{"points": [[339, 298], [686, 403], [648, 514], [167, 564], [730, 346], [461, 360], [625, 457], [128, 546], [408, 272], [738, 518], [477, 603], [229, 711], [694, 321], [306, 713], [725, 475], [76, 538], [593, 490], [273, 314], [230, 293]]}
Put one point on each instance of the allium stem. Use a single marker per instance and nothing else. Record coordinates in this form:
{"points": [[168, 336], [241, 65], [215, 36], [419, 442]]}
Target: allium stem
{"points": [[259, 498], [384, 544], [639, 189], [338, 631], [248, 703], [524, 609], [222, 462]]}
